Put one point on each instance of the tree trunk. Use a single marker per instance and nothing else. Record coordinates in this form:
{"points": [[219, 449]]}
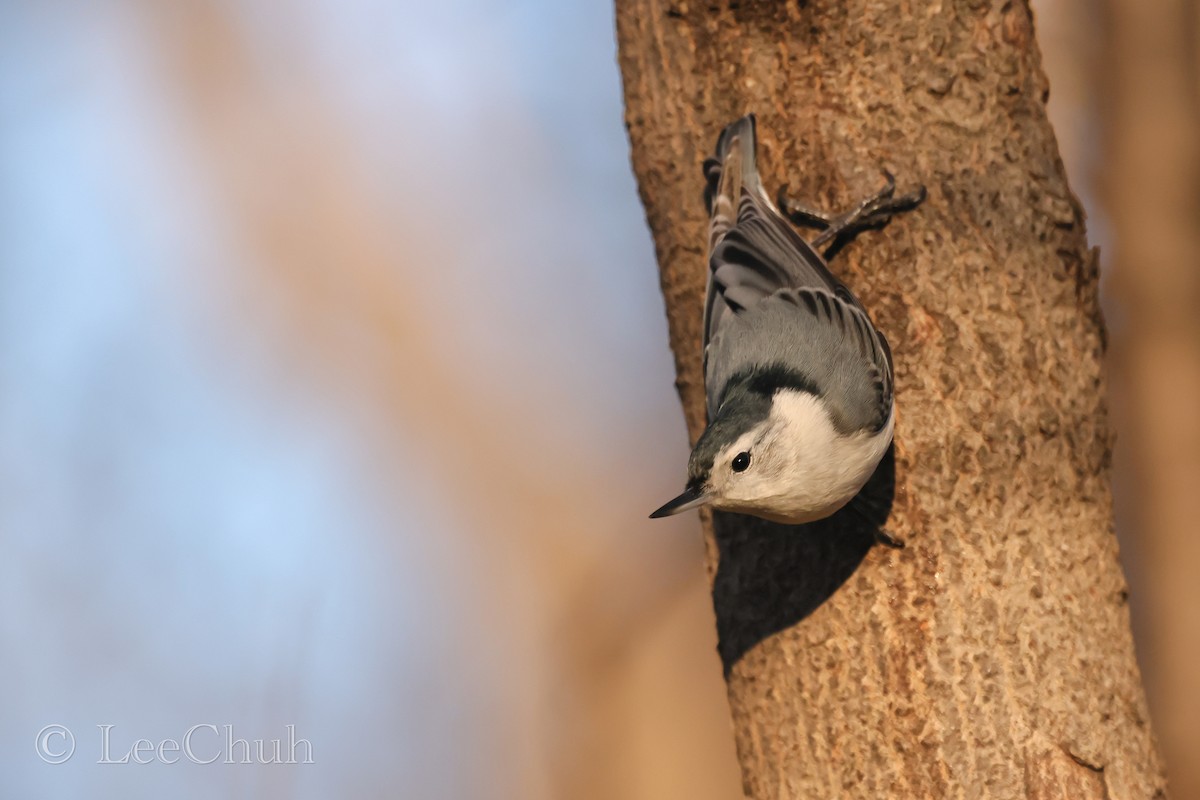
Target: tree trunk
{"points": [[992, 657]]}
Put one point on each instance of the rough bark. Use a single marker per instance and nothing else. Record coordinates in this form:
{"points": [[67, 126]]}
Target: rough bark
{"points": [[992, 657]]}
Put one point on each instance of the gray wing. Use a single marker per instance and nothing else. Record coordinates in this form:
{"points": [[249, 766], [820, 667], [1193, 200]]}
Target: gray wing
{"points": [[759, 265], [759, 254]]}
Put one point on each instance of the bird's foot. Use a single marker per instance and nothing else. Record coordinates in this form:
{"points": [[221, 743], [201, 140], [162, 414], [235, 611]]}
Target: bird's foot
{"points": [[873, 212]]}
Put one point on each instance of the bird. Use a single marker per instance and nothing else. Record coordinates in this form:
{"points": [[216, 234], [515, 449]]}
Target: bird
{"points": [[798, 379]]}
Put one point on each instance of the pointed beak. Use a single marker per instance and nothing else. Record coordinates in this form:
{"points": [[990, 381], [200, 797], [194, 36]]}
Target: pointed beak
{"points": [[692, 497]]}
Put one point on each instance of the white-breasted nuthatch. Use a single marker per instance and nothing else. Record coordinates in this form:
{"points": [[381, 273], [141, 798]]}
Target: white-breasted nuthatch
{"points": [[797, 377]]}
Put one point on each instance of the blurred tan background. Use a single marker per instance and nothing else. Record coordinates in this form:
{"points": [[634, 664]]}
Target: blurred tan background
{"points": [[334, 393]]}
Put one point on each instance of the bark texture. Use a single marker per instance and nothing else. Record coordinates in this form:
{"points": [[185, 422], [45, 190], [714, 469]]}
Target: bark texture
{"points": [[992, 657]]}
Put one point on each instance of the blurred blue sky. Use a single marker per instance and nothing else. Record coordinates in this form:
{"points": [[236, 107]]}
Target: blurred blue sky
{"points": [[272, 286]]}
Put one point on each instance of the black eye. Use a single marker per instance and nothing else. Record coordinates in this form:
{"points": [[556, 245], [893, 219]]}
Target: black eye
{"points": [[741, 461]]}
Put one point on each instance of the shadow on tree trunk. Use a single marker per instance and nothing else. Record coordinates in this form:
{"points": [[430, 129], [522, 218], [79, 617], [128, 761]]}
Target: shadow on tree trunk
{"points": [[771, 576]]}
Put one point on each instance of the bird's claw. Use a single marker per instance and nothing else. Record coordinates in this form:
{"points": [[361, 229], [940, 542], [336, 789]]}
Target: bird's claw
{"points": [[872, 212], [887, 540]]}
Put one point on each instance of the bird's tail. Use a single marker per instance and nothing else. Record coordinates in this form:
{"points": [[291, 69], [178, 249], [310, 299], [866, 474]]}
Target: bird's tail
{"points": [[729, 171], [734, 163]]}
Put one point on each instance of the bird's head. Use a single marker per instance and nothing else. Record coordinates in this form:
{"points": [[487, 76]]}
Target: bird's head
{"points": [[776, 455]]}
